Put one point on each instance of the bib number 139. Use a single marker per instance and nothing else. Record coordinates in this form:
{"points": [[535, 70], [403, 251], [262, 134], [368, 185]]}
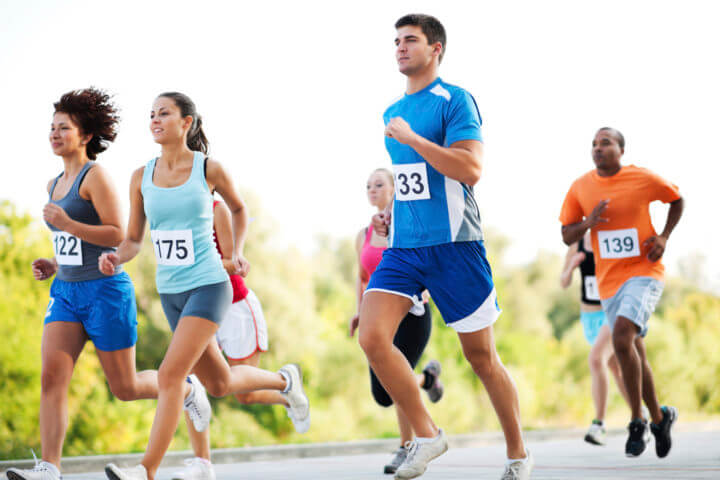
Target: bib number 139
{"points": [[618, 243], [173, 247], [411, 182]]}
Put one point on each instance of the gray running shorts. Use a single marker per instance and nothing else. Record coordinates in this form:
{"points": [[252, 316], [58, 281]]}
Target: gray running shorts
{"points": [[209, 301], [635, 300]]}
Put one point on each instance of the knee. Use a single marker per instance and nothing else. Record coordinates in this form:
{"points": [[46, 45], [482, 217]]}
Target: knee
{"points": [[124, 391], [623, 337], [483, 360], [595, 360], [170, 376], [53, 380], [218, 386], [372, 343]]}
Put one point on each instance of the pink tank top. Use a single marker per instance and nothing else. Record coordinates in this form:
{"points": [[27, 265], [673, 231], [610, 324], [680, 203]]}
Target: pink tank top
{"points": [[369, 256]]}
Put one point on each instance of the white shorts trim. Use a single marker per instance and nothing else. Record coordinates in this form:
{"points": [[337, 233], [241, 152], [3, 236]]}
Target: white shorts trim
{"points": [[483, 317], [418, 307], [243, 331]]}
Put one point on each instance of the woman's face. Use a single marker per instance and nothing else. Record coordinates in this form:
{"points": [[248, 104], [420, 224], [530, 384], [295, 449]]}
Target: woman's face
{"points": [[65, 136], [167, 124], [379, 190]]}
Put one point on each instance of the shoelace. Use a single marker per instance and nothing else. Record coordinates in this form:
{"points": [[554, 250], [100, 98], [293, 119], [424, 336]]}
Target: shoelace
{"points": [[412, 447], [39, 466], [512, 471]]}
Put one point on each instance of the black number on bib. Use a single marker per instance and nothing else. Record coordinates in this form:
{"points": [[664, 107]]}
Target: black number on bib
{"points": [[628, 243], [419, 187], [63, 243], [179, 247], [73, 248], [404, 186], [181, 251]]}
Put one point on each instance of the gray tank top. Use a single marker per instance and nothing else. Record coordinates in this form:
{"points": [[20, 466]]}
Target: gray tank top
{"points": [[77, 259]]}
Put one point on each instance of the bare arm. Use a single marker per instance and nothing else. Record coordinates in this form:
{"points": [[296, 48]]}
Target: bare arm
{"points": [[222, 221], [219, 179], [98, 188], [360, 284], [573, 258], [657, 244], [573, 233], [131, 245], [461, 161]]}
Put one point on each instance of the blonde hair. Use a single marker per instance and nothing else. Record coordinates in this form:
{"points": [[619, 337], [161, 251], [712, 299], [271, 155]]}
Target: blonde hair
{"points": [[387, 173]]}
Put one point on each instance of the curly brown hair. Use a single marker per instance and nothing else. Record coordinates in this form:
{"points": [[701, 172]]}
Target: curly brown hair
{"points": [[94, 113]]}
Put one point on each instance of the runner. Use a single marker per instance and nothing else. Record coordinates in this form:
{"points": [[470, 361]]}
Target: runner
{"points": [[612, 201], [414, 330], [242, 336], [83, 213], [597, 333], [434, 139], [173, 193]]}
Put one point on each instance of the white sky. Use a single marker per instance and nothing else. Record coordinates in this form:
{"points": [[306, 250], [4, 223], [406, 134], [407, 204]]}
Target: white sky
{"points": [[292, 93]]}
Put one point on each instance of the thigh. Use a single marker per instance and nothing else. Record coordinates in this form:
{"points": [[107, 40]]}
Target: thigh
{"points": [[192, 338], [118, 365], [479, 344], [253, 360], [62, 343], [602, 348], [413, 335], [381, 314]]}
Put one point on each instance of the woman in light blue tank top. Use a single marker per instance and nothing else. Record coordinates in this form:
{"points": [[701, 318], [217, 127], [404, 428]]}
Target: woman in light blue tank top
{"points": [[173, 194], [83, 214]]}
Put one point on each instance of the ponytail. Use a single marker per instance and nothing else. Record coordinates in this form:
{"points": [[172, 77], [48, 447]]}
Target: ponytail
{"points": [[196, 139]]}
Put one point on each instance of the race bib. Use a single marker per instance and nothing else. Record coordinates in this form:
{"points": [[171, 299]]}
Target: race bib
{"points": [[618, 243], [411, 182], [68, 249], [173, 247], [591, 288]]}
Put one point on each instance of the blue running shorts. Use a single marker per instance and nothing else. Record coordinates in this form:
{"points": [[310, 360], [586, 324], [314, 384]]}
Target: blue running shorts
{"points": [[592, 322], [457, 275], [105, 307]]}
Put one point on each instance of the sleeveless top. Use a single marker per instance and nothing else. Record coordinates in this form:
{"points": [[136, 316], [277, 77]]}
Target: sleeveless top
{"points": [[369, 255], [240, 291], [588, 286], [181, 229], [77, 259]]}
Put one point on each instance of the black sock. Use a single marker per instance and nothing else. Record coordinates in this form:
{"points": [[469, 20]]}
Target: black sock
{"points": [[429, 380]]}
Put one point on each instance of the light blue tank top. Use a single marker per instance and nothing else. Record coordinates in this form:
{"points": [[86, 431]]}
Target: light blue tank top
{"points": [[181, 228], [77, 259]]}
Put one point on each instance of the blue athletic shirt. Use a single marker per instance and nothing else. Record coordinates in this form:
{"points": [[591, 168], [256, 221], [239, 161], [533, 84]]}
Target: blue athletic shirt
{"points": [[430, 208]]}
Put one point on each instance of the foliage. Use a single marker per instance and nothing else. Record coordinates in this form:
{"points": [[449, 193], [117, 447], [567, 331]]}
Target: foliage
{"points": [[308, 300]]}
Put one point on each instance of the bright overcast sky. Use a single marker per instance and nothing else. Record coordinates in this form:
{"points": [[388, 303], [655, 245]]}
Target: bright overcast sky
{"points": [[292, 94]]}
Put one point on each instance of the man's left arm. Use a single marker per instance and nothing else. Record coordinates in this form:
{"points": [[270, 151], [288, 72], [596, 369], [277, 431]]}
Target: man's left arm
{"points": [[657, 243]]}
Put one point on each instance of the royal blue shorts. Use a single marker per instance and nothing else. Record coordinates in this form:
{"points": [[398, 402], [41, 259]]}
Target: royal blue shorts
{"points": [[105, 307], [457, 275]]}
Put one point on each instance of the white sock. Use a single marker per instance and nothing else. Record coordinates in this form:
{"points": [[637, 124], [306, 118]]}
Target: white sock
{"points": [[521, 460], [288, 381], [428, 439]]}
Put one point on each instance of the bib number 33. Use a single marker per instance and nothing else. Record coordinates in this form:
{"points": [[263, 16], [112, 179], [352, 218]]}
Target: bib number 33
{"points": [[411, 182], [173, 247], [619, 243]]}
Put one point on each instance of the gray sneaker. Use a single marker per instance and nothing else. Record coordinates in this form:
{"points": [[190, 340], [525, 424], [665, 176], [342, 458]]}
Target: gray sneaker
{"points": [[519, 470], [397, 460], [436, 389]]}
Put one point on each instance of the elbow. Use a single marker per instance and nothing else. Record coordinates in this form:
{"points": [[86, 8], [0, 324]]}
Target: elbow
{"points": [[473, 176]]}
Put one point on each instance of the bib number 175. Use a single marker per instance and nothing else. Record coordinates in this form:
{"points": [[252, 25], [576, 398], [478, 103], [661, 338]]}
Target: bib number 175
{"points": [[173, 247]]}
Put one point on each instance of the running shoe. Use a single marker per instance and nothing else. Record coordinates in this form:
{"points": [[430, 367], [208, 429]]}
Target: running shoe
{"points": [[663, 442], [596, 433], [519, 469], [397, 460], [419, 455], [195, 469], [114, 472], [41, 471], [299, 405], [197, 405], [436, 389], [638, 438]]}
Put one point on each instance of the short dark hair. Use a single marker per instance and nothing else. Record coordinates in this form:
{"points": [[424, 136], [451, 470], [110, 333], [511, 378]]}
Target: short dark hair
{"points": [[616, 133], [430, 26], [92, 110]]}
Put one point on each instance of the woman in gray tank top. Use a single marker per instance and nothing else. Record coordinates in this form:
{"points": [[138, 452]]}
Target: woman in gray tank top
{"points": [[83, 214]]}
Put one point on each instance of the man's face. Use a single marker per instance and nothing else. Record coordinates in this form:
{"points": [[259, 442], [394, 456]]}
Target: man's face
{"points": [[606, 150], [413, 53]]}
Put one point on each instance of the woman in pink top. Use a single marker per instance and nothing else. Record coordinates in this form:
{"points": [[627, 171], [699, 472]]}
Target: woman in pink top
{"points": [[414, 331]]}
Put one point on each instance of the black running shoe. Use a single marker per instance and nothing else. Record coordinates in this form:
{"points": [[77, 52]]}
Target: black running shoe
{"points": [[663, 442], [637, 441]]}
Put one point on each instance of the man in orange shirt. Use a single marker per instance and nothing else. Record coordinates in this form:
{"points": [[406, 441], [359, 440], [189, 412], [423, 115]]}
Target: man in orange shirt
{"points": [[613, 202]]}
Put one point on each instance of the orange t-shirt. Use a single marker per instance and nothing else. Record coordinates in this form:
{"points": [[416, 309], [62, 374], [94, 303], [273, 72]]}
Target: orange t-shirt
{"points": [[618, 244]]}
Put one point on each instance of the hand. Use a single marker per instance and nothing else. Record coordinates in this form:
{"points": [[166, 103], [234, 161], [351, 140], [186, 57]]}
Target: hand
{"points": [[656, 247], [44, 268], [595, 216], [242, 266], [107, 263], [400, 130], [354, 322], [381, 223], [577, 259], [56, 216]]}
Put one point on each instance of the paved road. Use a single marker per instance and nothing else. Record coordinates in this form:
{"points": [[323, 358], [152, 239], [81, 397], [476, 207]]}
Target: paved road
{"points": [[695, 455]]}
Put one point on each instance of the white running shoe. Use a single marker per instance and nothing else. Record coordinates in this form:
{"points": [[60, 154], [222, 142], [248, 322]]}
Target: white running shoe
{"points": [[114, 472], [519, 470], [419, 455], [41, 471], [195, 469], [299, 410], [596, 434], [197, 405]]}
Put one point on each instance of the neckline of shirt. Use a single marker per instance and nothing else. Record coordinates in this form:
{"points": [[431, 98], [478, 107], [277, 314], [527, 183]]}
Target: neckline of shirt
{"points": [[427, 88]]}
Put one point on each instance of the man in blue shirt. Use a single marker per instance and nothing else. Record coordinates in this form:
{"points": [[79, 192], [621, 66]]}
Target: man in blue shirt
{"points": [[434, 139]]}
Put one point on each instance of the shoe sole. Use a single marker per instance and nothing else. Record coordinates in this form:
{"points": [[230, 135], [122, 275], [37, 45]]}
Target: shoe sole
{"points": [[300, 383], [110, 474], [672, 421], [590, 439], [14, 476], [634, 455], [389, 470]]}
